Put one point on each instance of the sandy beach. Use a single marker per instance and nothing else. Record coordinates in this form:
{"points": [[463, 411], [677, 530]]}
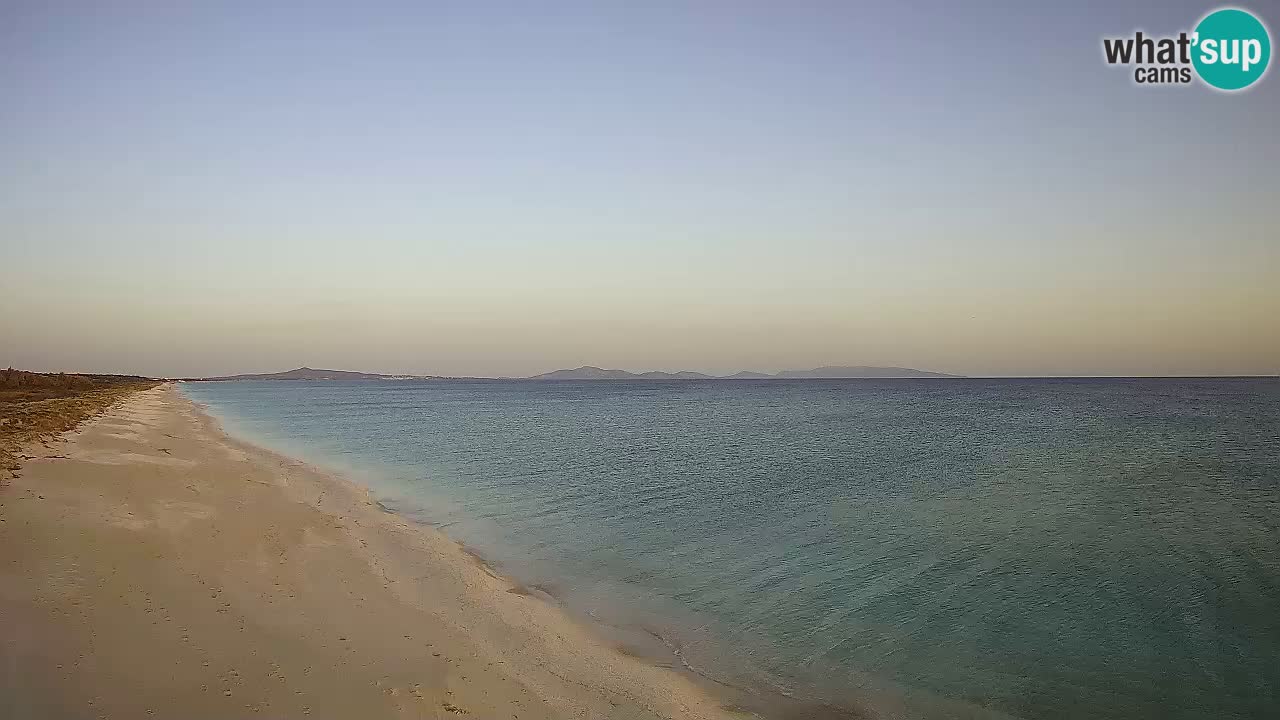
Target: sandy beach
{"points": [[154, 566]]}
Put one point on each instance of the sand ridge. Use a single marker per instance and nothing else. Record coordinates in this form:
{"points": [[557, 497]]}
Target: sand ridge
{"points": [[155, 567]]}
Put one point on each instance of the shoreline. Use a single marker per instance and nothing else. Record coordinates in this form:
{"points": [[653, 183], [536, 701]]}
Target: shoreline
{"points": [[548, 594], [641, 642], [131, 533]]}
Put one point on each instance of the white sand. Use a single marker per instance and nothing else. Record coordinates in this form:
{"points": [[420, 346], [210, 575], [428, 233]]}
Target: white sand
{"points": [[164, 569]]}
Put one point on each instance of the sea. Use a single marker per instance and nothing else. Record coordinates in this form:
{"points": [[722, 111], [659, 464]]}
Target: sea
{"points": [[979, 548]]}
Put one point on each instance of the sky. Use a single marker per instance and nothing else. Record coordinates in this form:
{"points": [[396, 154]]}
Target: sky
{"points": [[480, 188]]}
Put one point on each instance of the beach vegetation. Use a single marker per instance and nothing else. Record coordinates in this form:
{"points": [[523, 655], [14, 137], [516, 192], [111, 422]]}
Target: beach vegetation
{"points": [[35, 407]]}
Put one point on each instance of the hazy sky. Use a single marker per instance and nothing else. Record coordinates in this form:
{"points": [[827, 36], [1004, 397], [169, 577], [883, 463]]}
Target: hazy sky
{"points": [[507, 188]]}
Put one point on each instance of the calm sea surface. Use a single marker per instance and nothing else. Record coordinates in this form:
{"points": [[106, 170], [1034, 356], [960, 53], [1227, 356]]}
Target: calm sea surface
{"points": [[1033, 548]]}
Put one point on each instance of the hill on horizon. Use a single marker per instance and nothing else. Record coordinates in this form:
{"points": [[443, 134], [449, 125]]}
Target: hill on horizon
{"points": [[306, 373], [590, 372]]}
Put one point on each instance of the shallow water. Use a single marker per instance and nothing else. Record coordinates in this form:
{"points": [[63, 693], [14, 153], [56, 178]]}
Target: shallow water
{"points": [[1036, 548]]}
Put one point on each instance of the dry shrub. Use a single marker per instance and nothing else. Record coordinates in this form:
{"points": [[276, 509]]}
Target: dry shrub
{"points": [[37, 406]]}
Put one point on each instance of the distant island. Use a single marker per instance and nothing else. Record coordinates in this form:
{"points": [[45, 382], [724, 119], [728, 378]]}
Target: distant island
{"points": [[589, 372], [306, 373]]}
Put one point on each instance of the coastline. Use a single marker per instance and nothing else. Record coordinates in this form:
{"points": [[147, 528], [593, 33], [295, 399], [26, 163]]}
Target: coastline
{"points": [[161, 565], [645, 642]]}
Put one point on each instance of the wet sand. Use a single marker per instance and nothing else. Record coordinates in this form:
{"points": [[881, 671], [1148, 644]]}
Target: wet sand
{"points": [[154, 566]]}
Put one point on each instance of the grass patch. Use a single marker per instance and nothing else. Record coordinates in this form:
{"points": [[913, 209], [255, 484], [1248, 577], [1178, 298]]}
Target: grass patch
{"points": [[37, 406]]}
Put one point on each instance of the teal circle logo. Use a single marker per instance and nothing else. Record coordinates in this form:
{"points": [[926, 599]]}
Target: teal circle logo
{"points": [[1231, 49]]}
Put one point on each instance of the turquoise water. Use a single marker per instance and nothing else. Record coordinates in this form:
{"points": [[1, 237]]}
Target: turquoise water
{"points": [[933, 548]]}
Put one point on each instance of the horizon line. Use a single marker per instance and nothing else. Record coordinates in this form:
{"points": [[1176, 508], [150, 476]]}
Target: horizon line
{"points": [[938, 375]]}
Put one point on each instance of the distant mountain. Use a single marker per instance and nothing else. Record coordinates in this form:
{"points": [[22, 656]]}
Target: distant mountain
{"points": [[682, 375], [589, 372], [860, 371], [306, 373]]}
